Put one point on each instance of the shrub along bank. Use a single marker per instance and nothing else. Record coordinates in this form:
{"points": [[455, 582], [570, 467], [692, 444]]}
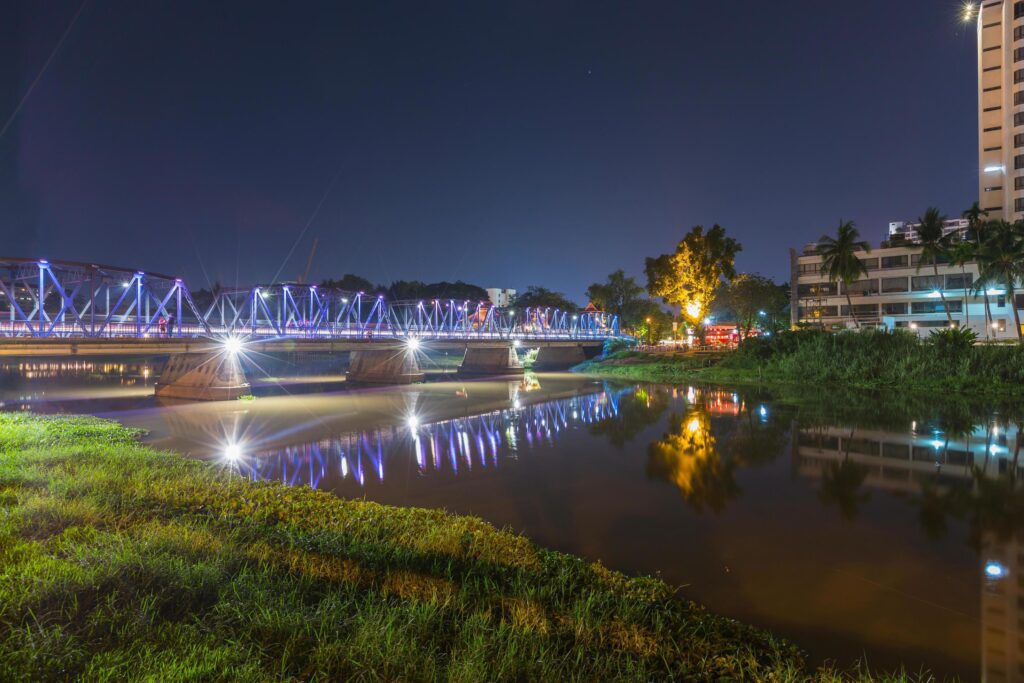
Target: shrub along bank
{"points": [[868, 359]]}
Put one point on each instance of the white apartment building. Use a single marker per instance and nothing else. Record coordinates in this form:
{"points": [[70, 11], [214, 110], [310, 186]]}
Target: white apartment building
{"points": [[501, 298], [1001, 108], [896, 294]]}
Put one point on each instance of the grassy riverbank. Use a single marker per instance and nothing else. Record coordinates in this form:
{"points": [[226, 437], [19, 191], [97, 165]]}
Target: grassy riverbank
{"points": [[857, 360], [117, 561]]}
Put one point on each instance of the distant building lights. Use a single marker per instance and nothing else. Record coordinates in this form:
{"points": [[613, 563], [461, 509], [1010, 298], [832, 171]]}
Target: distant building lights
{"points": [[994, 292], [43, 262], [934, 294], [994, 169]]}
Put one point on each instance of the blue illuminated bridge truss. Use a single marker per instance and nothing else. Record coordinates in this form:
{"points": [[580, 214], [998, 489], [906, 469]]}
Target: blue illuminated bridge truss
{"points": [[65, 299]]}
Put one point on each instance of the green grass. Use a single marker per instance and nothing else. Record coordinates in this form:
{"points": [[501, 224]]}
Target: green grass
{"points": [[856, 360], [117, 561]]}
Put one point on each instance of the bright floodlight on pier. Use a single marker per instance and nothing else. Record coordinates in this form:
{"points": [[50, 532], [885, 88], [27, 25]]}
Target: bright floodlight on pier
{"points": [[413, 344], [232, 452], [233, 345], [412, 422]]}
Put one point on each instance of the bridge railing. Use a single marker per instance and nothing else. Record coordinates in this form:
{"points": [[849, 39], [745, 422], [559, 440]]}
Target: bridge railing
{"points": [[73, 300]]}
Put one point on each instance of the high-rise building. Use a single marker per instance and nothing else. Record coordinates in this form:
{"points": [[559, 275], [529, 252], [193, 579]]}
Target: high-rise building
{"points": [[1001, 108]]}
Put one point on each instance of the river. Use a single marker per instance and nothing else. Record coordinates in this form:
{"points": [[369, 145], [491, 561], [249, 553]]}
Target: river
{"points": [[856, 526]]}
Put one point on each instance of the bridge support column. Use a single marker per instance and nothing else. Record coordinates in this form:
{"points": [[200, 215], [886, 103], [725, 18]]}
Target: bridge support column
{"points": [[383, 366], [490, 360], [210, 376], [559, 357]]}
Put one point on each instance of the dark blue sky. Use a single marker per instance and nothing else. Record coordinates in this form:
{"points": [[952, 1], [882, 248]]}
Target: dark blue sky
{"points": [[503, 143]]}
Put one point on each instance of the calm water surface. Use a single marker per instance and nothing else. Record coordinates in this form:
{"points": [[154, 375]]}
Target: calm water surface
{"points": [[856, 527]]}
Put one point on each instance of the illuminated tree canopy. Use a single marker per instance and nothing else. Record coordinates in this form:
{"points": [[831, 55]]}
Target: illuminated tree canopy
{"points": [[690, 277]]}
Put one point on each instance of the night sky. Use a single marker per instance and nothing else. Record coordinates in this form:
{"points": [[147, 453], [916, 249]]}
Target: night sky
{"points": [[502, 143]]}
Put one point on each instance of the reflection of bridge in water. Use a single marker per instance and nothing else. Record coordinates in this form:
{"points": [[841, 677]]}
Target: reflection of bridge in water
{"points": [[453, 445]]}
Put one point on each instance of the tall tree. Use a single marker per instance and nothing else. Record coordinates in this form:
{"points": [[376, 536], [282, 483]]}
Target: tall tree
{"points": [[621, 296], [1001, 261], [754, 300], [690, 277], [934, 246], [839, 260], [976, 219], [542, 297], [962, 252], [350, 283]]}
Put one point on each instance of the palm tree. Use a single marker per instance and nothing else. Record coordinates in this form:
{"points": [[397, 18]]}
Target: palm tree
{"points": [[961, 253], [976, 216], [1001, 260], [839, 259], [934, 246]]}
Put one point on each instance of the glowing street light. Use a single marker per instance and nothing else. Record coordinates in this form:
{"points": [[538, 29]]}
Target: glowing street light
{"points": [[968, 12]]}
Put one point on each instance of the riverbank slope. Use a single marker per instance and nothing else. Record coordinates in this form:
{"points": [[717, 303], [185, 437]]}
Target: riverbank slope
{"points": [[853, 360], [118, 561]]}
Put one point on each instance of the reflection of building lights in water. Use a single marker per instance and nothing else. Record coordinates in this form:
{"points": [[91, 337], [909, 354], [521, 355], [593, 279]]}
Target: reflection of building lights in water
{"points": [[996, 570], [693, 425]]}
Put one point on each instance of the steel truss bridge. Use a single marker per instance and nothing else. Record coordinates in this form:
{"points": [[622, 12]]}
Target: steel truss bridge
{"points": [[69, 301]]}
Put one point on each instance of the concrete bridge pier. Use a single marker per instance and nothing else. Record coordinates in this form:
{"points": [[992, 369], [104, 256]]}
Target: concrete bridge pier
{"points": [[559, 357], [384, 366], [482, 361], [203, 376]]}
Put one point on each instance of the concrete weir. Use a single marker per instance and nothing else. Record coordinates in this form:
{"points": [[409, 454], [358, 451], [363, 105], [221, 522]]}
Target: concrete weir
{"points": [[490, 361], [384, 366], [559, 357], [209, 376]]}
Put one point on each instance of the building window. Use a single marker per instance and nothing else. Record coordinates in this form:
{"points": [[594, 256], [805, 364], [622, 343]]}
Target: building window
{"points": [[1001, 301], [915, 260], [899, 308], [959, 281], [894, 261], [863, 288], [1018, 54], [925, 283], [870, 263], [1000, 325], [894, 285], [1018, 32], [1018, 10], [815, 289], [1018, 204], [994, 189], [993, 128], [810, 268], [813, 312], [860, 310], [1018, 118], [935, 306], [1018, 183]]}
